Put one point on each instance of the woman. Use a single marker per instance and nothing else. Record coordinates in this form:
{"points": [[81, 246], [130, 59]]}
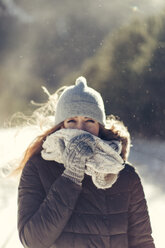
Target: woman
{"points": [[76, 190]]}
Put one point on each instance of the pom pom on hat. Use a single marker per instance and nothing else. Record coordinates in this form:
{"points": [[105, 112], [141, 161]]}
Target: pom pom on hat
{"points": [[81, 81], [80, 100]]}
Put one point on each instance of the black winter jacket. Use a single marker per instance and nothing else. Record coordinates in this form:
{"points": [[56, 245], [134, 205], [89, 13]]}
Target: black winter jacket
{"points": [[55, 212]]}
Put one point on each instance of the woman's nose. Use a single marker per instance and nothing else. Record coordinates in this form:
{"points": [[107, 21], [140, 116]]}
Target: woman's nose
{"points": [[80, 125]]}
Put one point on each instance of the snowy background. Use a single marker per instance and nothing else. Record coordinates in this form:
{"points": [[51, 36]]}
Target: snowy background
{"points": [[147, 155]]}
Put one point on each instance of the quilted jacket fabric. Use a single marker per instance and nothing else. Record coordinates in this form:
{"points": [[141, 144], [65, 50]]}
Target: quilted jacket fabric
{"points": [[55, 212]]}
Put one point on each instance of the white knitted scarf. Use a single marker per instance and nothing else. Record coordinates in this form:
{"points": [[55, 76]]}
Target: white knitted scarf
{"points": [[105, 164]]}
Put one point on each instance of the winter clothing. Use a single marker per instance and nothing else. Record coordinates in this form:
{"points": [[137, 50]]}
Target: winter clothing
{"points": [[104, 163], [80, 100], [59, 205], [54, 212], [75, 154]]}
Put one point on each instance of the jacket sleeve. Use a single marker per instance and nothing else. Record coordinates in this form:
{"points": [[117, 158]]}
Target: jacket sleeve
{"points": [[41, 217], [139, 227]]}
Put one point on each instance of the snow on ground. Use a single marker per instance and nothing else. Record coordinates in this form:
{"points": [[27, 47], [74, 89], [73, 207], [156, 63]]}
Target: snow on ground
{"points": [[147, 156]]}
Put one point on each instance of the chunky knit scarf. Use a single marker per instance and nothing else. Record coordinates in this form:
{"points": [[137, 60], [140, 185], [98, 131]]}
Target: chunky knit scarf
{"points": [[105, 164]]}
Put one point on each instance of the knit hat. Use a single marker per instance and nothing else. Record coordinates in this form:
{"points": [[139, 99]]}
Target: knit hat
{"points": [[80, 100]]}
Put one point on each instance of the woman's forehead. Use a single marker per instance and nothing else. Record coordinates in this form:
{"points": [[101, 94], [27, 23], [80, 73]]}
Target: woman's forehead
{"points": [[83, 117]]}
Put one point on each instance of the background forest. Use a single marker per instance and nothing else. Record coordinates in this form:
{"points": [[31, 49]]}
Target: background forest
{"points": [[118, 45]]}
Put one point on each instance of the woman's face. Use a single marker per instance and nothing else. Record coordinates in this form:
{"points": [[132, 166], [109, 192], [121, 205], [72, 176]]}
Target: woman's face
{"points": [[84, 123]]}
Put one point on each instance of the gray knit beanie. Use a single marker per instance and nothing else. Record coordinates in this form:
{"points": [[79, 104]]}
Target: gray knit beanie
{"points": [[80, 100]]}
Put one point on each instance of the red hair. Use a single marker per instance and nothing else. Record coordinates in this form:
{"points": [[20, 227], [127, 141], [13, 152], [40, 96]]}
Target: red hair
{"points": [[35, 148]]}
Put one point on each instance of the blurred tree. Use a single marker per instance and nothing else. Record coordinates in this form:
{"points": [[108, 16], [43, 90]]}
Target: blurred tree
{"points": [[128, 70], [41, 42], [47, 42]]}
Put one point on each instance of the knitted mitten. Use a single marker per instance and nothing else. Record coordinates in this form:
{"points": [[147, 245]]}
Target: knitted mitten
{"points": [[75, 154]]}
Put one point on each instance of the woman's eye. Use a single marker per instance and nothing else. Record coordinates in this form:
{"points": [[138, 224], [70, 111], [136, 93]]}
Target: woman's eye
{"points": [[70, 121], [90, 120]]}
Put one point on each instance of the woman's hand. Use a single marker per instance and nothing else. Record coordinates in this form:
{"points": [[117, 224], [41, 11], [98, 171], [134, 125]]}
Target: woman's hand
{"points": [[75, 154]]}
